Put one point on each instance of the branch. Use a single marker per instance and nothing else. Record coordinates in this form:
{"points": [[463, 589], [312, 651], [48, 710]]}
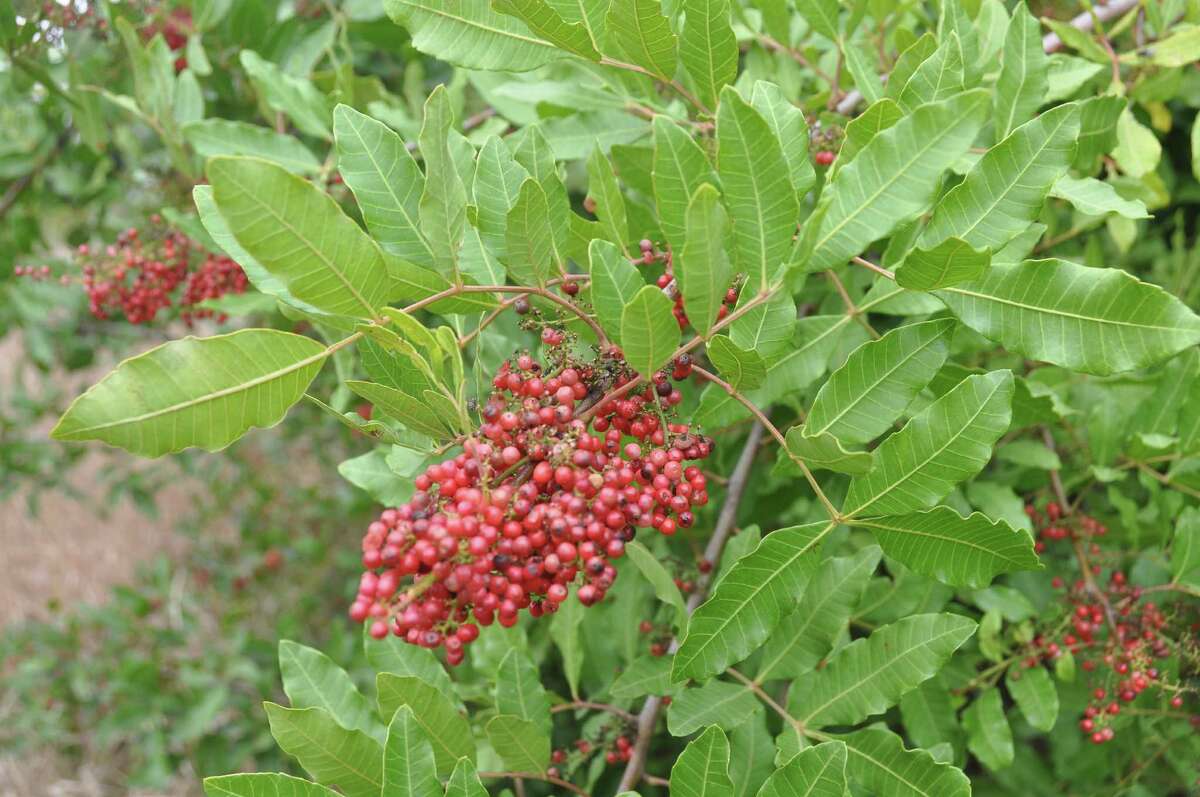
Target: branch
{"points": [[779, 438], [648, 717], [566, 784], [587, 704], [675, 85]]}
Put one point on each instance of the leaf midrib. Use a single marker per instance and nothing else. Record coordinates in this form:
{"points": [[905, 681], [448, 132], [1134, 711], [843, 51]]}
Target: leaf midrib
{"points": [[473, 24]]}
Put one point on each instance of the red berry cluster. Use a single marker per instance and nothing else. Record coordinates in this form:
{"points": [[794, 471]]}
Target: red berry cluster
{"points": [[824, 142], [138, 275], [1117, 634], [175, 28], [666, 281], [617, 749], [544, 494]]}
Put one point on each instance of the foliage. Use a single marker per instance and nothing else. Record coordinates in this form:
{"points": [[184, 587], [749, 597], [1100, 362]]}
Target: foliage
{"points": [[579, 256]]}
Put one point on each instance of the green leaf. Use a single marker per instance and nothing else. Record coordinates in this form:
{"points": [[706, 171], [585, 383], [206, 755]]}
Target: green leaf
{"points": [[263, 784], [495, 190], [861, 129], [768, 328], [743, 368], [468, 33], [529, 238], [1098, 120], [1022, 84], [1029, 454], [938, 78], [202, 392], [1185, 547], [312, 680], [806, 635], [1095, 198], [822, 16], [877, 760], [787, 122], [638, 29], [862, 68], [1096, 320], [439, 720], [959, 551], [288, 94], [649, 331], [545, 22], [928, 715], [749, 602], [615, 281], [565, 631], [823, 451], [702, 268], [893, 178], [522, 745], [755, 177], [300, 234], [751, 755], [878, 381], [393, 655], [464, 781], [1035, 694], [413, 412], [702, 769], [721, 703], [988, 734], [351, 760], [646, 675], [1005, 190], [519, 690], [386, 182], [870, 674], [948, 263], [950, 441], [213, 137], [408, 768], [816, 772], [680, 168], [708, 48], [610, 205], [443, 204], [911, 57], [662, 581]]}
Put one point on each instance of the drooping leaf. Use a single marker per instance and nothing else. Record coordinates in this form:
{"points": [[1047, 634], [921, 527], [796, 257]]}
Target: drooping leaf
{"points": [[638, 29], [806, 635], [604, 190], [823, 451], [300, 234], [893, 177], [988, 735], [312, 680], [960, 551], [680, 168], [543, 20], [950, 441], [522, 745], [1022, 84], [529, 238], [664, 585], [201, 392], [877, 760], [708, 48], [263, 784], [742, 368], [948, 263], [447, 730], [408, 762], [649, 331], [615, 281], [412, 411], [351, 760], [819, 771], [702, 769], [1096, 320], [1005, 190], [468, 33], [1035, 694], [213, 137], [878, 381], [386, 181], [749, 602], [869, 675], [758, 190], [702, 269], [787, 122], [721, 703]]}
